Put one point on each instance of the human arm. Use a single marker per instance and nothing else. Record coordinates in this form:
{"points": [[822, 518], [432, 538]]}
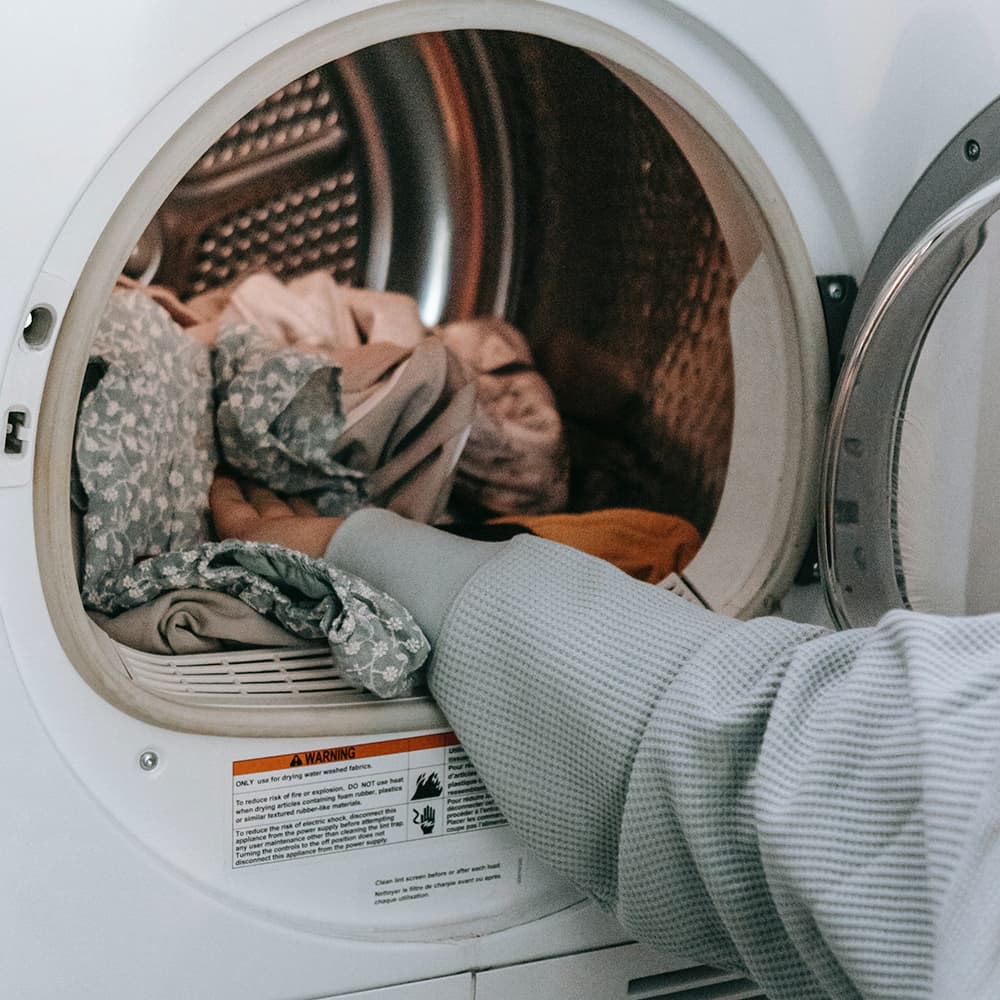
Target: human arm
{"points": [[818, 808]]}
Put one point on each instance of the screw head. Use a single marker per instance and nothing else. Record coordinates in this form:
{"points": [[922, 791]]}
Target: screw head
{"points": [[835, 290], [149, 760], [972, 150]]}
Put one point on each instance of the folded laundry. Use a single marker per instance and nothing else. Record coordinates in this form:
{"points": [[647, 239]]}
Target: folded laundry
{"points": [[181, 622], [144, 459], [375, 643]]}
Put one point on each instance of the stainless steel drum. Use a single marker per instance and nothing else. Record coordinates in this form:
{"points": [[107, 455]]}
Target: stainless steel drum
{"points": [[494, 173]]}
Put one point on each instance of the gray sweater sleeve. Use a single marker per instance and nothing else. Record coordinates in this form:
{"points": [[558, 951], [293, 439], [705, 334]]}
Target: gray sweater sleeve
{"points": [[820, 808]]}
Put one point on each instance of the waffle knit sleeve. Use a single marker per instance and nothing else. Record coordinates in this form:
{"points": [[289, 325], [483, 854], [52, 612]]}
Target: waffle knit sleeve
{"points": [[819, 808]]}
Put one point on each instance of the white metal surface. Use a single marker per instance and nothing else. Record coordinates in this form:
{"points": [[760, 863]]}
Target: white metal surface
{"points": [[118, 882]]}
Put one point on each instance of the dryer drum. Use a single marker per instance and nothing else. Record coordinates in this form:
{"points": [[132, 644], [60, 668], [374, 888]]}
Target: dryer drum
{"points": [[493, 173], [569, 209]]}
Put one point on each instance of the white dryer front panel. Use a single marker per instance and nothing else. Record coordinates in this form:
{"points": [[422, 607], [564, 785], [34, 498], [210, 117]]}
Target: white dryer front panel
{"points": [[138, 857]]}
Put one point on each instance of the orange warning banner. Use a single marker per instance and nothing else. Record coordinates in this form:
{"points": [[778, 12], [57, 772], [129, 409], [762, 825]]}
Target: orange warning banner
{"points": [[349, 751]]}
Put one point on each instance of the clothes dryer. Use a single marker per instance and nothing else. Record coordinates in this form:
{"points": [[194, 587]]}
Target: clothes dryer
{"points": [[153, 846]]}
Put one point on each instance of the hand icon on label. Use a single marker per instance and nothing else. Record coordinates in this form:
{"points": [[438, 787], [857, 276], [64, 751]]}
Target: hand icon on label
{"points": [[425, 819]]}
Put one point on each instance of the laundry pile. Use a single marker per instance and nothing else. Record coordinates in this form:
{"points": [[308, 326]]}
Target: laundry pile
{"points": [[424, 419], [145, 454], [335, 394]]}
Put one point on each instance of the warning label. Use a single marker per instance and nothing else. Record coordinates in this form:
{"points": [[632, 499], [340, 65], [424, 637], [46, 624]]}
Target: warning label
{"points": [[355, 796]]}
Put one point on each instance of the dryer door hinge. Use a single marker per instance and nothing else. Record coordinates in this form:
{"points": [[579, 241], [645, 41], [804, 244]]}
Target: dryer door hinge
{"points": [[837, 292]]}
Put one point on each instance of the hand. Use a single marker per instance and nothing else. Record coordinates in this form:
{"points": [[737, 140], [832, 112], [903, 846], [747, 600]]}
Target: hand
{"points": [[255, 514]]}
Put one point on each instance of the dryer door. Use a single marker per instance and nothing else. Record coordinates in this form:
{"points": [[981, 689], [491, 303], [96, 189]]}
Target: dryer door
{"points": [[910, 501]]}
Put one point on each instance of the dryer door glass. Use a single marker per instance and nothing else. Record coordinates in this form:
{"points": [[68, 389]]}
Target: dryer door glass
{"points": [[912, 473]]}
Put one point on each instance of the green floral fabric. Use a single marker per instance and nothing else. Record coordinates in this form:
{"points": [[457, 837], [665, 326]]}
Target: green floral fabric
{"points": [[145, 443], [145, 453], [375, 642], [279, 418]]}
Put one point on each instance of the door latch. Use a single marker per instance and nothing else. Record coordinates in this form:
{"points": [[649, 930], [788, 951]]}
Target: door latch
{"points": [[13, 439]]}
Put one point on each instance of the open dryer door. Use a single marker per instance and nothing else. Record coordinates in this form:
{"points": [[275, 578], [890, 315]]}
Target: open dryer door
{"points": [[909, 498]]}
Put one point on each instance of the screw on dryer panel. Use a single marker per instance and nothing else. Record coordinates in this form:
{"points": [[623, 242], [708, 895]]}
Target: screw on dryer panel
{"points": [[835, 289], [972, 150], [149, 760]]}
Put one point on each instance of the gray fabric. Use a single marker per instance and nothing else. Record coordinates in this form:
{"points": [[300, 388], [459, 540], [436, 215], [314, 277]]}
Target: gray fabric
{"points": [[279, 417], [145, 447], [182, 622], [819, 808], [375, 643], [410, 441]]}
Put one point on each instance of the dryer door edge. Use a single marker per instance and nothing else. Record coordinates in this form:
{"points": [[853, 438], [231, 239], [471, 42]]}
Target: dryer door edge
{"points": [[940, 229]]}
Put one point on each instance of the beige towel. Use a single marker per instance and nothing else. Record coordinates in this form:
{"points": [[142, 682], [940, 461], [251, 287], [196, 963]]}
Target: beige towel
{"points": [[195, 621], [314, 312]]}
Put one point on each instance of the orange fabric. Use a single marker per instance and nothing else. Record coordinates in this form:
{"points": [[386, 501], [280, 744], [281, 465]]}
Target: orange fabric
{"points": [[643, 543]]}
